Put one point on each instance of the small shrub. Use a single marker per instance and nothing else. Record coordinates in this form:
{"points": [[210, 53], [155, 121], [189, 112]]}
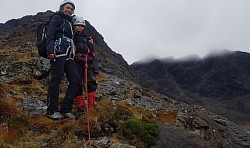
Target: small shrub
{"points": [[134, 129]]}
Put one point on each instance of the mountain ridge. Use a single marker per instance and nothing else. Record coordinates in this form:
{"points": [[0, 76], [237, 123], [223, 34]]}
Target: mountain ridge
{"points": [[217, 77]]}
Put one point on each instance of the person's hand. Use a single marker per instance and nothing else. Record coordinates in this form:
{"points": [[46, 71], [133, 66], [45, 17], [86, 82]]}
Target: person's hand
{"points": [[91, 40], [52, 56]]}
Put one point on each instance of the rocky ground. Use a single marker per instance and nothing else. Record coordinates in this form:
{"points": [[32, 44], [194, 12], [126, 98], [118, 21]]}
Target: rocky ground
{"points": [[180, 125]]}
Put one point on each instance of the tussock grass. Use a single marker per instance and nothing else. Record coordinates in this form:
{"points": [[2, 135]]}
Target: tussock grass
{"points": [[8, 49], [13, 122], [121, 110], [43, 124], [101, 77], [29, 85], [7, 109], [2, 92], [246, 126], [106, 119], [7, 135], [14, 92], [167, 117]]}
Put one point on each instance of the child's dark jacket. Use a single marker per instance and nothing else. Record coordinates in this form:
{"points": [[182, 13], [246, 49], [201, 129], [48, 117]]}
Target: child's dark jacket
{"points": [[84, 47]]}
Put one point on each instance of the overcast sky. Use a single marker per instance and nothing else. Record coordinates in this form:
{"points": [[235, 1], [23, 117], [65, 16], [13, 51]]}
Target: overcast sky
{"points": [[140, 28]]}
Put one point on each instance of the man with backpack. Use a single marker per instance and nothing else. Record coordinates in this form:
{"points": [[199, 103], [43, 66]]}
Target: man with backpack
{"points": [[60, 50]]}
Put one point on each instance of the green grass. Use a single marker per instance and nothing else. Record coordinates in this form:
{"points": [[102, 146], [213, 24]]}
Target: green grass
{"points": [[135, 129]]}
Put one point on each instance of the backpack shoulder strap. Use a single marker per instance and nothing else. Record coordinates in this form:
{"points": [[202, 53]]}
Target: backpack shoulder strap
{"points": [[61, 24], [63, 20], [71, 27]]}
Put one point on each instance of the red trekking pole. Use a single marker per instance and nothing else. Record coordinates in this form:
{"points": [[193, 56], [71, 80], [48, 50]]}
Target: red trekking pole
{"points": [[86, 95]]}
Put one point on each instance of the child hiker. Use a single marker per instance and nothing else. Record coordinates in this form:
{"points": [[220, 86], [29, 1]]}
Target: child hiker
{"points": [[85, 52]]}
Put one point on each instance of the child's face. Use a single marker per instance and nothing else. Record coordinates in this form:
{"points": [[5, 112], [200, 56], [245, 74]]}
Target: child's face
{"points": [[79, 28]]}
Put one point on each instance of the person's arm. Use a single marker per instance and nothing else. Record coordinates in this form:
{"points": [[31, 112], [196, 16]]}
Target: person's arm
{"points": [[51, 32], [90, 43], [93, 54], [96, 66]]}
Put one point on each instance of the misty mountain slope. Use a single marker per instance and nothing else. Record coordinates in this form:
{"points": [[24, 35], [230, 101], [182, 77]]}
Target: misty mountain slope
{"points": [[221, 78], [126, 114]]}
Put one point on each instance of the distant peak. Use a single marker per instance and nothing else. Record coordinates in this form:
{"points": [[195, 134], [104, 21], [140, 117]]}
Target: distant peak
{"points": [[189, 58], [147, 59], [219, 52]]}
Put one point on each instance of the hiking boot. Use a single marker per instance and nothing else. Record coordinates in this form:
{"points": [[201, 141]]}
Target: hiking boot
{"points": [[68, 115], [55, 116]]}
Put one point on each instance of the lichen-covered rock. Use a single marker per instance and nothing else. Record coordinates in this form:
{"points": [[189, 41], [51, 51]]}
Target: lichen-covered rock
{"points": [[34, 106]]}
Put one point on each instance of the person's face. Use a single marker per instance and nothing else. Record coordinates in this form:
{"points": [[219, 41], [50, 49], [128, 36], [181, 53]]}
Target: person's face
{"points": [[68, 9], [79, 28]]}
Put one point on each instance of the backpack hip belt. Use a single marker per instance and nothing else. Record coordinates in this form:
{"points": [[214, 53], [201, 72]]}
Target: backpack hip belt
{"points": [[80, 54], [70, 52]]}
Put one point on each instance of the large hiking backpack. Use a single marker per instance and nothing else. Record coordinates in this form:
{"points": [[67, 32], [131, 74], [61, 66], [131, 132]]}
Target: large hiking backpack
{"points": [[41, 38], [44, 62]]}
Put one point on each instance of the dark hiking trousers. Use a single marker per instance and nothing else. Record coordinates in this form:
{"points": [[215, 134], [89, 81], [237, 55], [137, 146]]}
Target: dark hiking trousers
{"points": [[92, 85], [58, 68]]}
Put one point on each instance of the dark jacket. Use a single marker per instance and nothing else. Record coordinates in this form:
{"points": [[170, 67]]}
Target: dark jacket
{"points": [[83, 47], [59, 27]]}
